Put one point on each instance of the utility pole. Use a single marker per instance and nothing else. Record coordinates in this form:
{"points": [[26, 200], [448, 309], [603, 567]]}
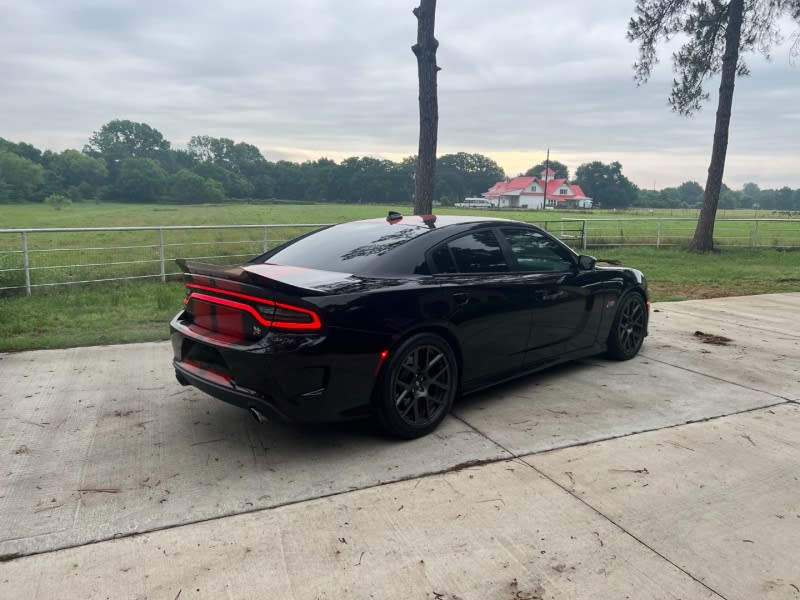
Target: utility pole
{"points": [[546, 174]]}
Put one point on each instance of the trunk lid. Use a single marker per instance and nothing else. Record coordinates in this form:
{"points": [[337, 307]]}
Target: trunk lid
{"points": [[246, 302]]}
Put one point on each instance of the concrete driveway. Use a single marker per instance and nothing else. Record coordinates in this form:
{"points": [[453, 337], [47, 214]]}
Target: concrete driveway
{"points": [[674, 475]]}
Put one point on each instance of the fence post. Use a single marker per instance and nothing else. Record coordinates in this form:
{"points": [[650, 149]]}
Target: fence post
{"points": [[755, 234], [266, 238], [658, 234], [26, 263], [161, 254], [584, 234]]}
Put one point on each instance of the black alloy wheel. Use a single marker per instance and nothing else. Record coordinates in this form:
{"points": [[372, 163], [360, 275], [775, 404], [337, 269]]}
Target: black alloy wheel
{"points": [[418, 386], [628, 331]]}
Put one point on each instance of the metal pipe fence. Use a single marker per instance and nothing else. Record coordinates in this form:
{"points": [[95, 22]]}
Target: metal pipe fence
{"points": [[42, 258], [678, 231]]}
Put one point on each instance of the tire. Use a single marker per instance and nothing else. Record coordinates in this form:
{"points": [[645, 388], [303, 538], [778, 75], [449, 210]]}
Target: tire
{"points": [[629, 328], [417, 386]]}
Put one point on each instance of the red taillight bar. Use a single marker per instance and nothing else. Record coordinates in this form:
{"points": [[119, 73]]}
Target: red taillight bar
{"points": [[314, 324]]}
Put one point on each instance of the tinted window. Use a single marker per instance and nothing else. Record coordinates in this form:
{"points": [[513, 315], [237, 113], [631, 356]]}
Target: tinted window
{"points": [[535, 251], [347, 248], [478, 253], [443, 260]]}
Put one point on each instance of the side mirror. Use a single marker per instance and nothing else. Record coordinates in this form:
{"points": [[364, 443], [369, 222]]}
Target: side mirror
{"points": [[586, 263]]}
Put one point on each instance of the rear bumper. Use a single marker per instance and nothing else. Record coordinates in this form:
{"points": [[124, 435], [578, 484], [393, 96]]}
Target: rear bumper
{"points": [[230, 393], [297, 378]]}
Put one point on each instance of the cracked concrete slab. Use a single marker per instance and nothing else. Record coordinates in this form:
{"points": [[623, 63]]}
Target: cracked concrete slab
{"points": [[102, 442], [764, 348], [497, 531], [596, 399], [718, 499]]}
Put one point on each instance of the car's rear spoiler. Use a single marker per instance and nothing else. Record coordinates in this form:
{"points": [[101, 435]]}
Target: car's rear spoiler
{"points": [[299, 279], [234, 273]]}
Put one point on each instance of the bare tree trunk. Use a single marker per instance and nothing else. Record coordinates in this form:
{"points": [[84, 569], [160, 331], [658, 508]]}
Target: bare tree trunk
{"points": [[703, 240], [425, 50]]}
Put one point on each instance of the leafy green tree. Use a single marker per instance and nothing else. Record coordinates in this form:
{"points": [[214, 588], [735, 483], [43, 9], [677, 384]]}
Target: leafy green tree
{"points": [[240, 158], [235, 185], [606, 184], [175, 160], [22, 149], [20, 178], [319, 177], [368, 181], [751, 194], [464, 175], [729, 198], [239, 167], [690, 192], [218, 151], [288, 178], [247, 160], [186, 187], [78, 174], [119, 140], [562, 171], [406, 173], [263, 185], [450, 186], [718, 33], [140, 180]]}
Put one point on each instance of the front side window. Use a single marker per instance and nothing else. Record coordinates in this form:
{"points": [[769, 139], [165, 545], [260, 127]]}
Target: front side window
{"points": [[535, 251]]}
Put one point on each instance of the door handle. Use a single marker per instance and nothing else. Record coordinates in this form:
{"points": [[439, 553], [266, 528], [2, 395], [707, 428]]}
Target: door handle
{"points": [[460, 298]]}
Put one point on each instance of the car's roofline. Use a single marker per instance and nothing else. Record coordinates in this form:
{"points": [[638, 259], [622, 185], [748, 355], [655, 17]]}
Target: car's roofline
{"points": [[434, 221]]}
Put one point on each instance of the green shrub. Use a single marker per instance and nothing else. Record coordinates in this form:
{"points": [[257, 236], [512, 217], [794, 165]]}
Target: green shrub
{"points": [[57, 201]]}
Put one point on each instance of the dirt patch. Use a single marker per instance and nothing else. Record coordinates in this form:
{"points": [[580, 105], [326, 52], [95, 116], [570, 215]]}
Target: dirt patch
{"points": [[710, 338]]}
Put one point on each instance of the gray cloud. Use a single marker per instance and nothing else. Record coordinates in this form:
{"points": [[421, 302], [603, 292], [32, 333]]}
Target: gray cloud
{"points": [[312, 78]]}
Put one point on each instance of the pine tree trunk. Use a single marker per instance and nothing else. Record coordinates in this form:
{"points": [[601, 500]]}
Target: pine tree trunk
{"points": [[425, 50], [703, 240]]}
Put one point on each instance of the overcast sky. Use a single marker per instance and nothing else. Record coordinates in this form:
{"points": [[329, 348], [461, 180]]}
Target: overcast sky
{"points": [[302, 79]]}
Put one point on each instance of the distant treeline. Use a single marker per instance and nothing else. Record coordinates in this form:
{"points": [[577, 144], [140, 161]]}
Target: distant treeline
{"points": [[131, 162]]}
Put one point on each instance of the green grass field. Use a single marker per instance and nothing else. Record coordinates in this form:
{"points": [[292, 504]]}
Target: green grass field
{"points": [[90, 214], [139, 310]]}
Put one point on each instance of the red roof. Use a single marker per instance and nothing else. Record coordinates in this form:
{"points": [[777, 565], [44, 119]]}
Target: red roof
{"points": [[503, 187], [520, 183]]}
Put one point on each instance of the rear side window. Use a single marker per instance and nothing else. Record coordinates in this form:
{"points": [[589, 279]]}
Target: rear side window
{"points": [[477, 252]]}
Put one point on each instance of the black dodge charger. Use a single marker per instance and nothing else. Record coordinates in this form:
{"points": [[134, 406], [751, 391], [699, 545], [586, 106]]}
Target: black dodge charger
{"points": [[394, 317]]}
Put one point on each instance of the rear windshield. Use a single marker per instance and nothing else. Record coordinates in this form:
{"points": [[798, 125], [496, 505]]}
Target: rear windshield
{"points": [[347, 248]]}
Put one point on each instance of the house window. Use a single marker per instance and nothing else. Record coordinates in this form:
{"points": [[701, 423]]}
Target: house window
{"points": [[564, 191]]}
